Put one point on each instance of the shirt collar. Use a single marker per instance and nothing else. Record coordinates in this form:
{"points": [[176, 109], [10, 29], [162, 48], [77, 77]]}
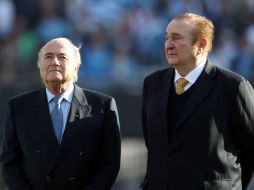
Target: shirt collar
{"points": [[67, 95], [193, 75]]}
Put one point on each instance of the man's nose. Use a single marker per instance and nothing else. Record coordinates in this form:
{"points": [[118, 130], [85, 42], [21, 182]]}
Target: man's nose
{"points": [[55, 61], [169, 44]]}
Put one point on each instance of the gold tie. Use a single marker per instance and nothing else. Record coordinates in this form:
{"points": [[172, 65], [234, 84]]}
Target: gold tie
{"points": [[180, 84]]}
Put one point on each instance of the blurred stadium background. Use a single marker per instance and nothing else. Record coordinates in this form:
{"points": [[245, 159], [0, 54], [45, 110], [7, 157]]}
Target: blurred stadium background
{"points": [[122, 42]]}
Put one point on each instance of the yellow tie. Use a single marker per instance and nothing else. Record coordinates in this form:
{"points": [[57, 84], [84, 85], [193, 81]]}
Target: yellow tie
{"points": [[180, 84]]}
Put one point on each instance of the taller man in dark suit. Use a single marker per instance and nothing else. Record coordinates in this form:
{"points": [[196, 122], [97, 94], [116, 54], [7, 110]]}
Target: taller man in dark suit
{"points": [[61, 137], [198, 119]]}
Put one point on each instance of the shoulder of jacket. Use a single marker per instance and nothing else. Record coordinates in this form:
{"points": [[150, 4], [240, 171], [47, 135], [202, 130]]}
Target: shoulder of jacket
{"points": [[96, 95], [229, 75], [29, 95]]}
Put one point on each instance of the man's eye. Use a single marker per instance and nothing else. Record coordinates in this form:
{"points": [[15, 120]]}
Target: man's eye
{"points": [[48, 56], [63, 57], [176, 38], [173, 38]]}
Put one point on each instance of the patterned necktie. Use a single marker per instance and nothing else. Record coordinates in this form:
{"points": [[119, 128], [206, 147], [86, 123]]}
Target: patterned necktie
{"points": [[57, 118], [181, 83]]}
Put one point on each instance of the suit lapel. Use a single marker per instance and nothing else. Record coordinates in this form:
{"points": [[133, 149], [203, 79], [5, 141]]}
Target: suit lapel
{"points": [[203, 86], [165, 85], [80, 110], [43, 122]]}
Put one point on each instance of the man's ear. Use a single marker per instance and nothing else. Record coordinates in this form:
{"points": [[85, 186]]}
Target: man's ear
{"points": [[203, 43], [77, 67], [201, 46]]}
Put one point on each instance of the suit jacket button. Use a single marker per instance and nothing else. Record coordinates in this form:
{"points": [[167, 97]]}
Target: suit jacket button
{"points": [[47, 178], [72, 179], [170, 159], [81, 153], [37, 151]]}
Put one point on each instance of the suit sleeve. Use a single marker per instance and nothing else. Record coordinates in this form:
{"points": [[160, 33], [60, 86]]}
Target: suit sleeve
{"points": [[243, 128], [110, 162], [11, 156]]}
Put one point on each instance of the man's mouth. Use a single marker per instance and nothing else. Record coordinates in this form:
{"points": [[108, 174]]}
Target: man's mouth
{"points": [[171, 53], [55, 70]]}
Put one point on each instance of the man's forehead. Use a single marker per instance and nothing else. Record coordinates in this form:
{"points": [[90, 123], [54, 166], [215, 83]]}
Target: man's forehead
{"points": [[177, 22], [58, 43], [179, 25], [57, 46]]}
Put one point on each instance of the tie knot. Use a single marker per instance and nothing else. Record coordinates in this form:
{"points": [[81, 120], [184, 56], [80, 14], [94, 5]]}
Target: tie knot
{"points": [[57, 99], [181, 83]]}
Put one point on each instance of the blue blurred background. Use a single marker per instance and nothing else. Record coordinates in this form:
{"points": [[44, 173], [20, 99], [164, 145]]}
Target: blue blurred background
{"points": [[121, 42]]}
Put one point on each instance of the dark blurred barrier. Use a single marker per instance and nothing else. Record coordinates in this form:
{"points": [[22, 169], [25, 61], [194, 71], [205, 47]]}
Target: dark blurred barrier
{"points": [[129, 107]]}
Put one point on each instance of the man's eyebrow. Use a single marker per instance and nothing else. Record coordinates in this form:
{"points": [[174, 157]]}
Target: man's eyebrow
{"points": [[175, 34], [52, 54], [172, 34], [47, 54], [62, 54]]}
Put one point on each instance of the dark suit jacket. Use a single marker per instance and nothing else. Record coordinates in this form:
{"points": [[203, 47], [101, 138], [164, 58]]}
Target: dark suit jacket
{"points": [[213, 140], [88, 157]]}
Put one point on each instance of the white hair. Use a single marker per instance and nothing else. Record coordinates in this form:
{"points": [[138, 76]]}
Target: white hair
{"points": [[75, 51]]}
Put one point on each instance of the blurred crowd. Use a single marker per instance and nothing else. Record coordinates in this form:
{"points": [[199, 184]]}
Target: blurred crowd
{"points": [[121, 41]]}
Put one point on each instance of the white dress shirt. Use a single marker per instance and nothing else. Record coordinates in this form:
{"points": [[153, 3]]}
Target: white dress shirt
{"points": [[192, 76]]}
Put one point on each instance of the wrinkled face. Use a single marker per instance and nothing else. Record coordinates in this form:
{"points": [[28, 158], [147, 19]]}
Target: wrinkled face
{"points": [[58, 63], [180, 49]]}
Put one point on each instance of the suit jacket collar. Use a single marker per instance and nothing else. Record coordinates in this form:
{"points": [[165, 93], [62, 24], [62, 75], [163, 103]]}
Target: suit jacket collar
{"points": [[43, 122], [79, 107], [80, 110], [165, 85], [203, 86]]}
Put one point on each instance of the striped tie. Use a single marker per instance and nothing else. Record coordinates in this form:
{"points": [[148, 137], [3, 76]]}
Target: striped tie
{"points": [[181, 83]]}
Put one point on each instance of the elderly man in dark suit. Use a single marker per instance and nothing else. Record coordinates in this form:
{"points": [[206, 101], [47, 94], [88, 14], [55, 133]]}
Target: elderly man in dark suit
{"points": [[61, 137], [198, 119]]}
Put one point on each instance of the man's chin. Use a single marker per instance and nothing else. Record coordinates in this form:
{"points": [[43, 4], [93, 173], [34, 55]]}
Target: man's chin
{"points": [[172, 63], [55, 81]]}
